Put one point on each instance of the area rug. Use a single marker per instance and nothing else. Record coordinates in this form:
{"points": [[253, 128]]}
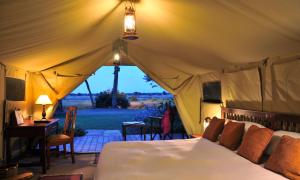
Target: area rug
{"points": [[62, 177]]}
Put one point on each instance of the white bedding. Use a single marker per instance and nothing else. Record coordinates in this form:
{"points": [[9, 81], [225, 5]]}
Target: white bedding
{"points": [[176, 159]]}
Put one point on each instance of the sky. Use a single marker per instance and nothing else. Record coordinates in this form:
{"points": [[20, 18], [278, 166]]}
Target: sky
{"points": [[130, 80]]}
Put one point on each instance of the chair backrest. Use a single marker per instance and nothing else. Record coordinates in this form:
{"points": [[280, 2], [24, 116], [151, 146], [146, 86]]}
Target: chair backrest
{"points": [[70, 121]]}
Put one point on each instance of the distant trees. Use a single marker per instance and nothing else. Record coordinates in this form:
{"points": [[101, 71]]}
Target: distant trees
{"points": [[133, 98], [150, 81], [104, 100]]}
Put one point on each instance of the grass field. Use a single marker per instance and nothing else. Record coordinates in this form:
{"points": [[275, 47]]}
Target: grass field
{"points": [[109, 119]]}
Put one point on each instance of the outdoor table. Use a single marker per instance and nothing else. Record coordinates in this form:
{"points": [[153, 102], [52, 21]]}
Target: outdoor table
{"points": [[133, 124]]}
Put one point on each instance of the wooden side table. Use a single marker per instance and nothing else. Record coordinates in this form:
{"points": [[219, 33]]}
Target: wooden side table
{"points": [[133, 124]]}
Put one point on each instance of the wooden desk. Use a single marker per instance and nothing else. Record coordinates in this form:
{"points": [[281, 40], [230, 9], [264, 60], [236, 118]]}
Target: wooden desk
{"points": [[31, 130]]}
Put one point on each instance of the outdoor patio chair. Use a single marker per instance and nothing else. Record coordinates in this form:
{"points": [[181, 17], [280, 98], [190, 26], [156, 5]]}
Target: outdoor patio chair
{"points": [[67, 137], [161, 125], [155, 124]]}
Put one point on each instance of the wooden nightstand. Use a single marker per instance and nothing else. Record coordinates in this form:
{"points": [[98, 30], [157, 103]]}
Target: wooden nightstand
{"points": [[196, 135]]}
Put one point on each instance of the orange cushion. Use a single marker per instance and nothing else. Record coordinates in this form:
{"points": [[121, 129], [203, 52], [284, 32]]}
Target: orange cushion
{"points": [[214, 129], [286, 158], [58, 138], [254, 143], [232, 135]]}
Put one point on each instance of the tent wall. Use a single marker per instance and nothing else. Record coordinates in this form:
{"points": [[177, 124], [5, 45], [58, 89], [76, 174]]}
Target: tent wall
{"points": [[59, 80], [18, 145], [184, 86], [63, 42], [188, 105], [242, 89], [268, 85], [209, 109], [283, 85]]}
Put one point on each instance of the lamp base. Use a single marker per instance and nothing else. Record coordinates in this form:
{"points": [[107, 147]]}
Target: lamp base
{"points": [[44, 113]]}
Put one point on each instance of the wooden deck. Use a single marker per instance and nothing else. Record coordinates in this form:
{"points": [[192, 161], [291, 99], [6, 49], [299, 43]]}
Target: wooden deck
{"points": [[94, 140]]}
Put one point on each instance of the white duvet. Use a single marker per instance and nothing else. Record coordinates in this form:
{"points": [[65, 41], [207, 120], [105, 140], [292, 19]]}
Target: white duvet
{"points": [[176, 159]]}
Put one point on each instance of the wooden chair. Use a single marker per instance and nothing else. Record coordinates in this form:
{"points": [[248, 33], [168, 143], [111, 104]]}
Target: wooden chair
{"points": [[67, 137]]}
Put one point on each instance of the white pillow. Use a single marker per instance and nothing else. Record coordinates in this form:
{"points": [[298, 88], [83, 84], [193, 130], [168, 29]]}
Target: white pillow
{"points": [[247, 124], [276, 139]]}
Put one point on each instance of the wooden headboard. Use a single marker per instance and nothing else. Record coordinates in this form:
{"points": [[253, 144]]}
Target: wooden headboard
{"points": [[272, 120]]}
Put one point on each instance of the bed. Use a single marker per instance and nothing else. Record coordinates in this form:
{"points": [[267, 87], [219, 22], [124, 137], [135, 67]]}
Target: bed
{"points": [[190, 158]]}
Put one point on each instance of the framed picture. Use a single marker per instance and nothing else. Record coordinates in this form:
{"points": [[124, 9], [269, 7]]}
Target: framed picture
{"points": [[19, 116]]}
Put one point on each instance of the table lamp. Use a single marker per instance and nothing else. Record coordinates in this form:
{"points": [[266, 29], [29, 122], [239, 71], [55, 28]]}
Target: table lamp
{"points": [[43, 100]]}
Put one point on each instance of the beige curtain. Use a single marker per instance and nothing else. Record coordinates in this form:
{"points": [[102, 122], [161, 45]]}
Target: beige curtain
{"points": [[285, 85], [184, 86], [242, 89], [188, 104], [59, 80]]}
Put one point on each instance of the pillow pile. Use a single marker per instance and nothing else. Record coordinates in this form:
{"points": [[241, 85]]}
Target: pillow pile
{"points": [[285, 157], [254, 143], [232, 135], [214, 129]]}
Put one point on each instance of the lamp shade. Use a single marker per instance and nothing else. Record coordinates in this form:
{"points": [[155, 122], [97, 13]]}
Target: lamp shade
{"points": [[43, 100]]}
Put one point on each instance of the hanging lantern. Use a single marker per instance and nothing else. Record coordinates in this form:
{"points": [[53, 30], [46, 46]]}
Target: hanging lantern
{"points": [[116, 59], [129, 22], [119, 51]]}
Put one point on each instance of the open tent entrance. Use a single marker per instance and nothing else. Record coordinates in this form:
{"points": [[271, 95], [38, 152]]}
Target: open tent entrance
{"points": [[138, 99], [61, 79]]}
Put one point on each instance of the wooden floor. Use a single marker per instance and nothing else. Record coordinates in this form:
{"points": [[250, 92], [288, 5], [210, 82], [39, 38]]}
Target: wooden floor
{"points": [[94, 140], [85, 164]]}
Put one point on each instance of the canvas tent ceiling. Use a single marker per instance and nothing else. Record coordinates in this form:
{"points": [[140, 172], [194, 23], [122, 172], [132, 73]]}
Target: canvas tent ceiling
{"points": [[62, 42], [206, 34]]}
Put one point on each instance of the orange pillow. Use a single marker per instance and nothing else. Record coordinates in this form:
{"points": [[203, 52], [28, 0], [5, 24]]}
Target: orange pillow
{"points": [[254, 143], [286, 158], [214, 129], [232, 135]]}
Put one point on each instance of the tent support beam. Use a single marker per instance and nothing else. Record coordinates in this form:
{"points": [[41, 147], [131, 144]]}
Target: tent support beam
{"points": [[52, 88], [76, 58]]}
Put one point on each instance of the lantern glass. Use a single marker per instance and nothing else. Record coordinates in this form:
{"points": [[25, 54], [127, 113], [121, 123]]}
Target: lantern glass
{"points": [[116, 58], [129, 24]]}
